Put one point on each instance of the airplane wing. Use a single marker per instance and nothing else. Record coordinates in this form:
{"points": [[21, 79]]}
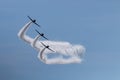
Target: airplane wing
{"points": [[37, 24], [37, 31], [45, 37], [43, 44], [51, 50], [30, 18]]}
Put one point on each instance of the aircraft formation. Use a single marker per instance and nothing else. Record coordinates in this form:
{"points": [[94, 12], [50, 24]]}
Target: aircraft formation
{"points": [[42, 35], [64, 52]]}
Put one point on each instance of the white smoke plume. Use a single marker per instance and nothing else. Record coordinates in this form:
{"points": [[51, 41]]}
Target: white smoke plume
{"points": [[65, 52]]}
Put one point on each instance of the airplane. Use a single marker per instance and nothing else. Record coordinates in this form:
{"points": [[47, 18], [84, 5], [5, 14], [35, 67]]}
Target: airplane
{"points": [[46, 46], [41, 34], [34, 21]]}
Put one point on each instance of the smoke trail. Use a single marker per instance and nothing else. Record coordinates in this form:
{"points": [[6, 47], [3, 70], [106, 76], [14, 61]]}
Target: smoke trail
{"points": [[65, 52]]}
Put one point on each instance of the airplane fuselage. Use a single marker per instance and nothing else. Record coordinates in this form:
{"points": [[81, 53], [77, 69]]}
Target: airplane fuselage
{"points": [[42, 34], [33, 21], [47, 46]]}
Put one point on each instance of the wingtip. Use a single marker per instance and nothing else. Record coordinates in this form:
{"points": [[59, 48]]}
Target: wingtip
{"points": [[28, 16]]}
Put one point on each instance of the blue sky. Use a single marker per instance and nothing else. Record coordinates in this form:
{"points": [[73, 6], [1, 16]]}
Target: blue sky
{"points": [[92, 23]]}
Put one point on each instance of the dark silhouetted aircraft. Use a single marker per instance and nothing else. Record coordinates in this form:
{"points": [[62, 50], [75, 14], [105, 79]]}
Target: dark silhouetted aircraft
{"points": [[46, 46], [41, 34], [34, 21]]}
